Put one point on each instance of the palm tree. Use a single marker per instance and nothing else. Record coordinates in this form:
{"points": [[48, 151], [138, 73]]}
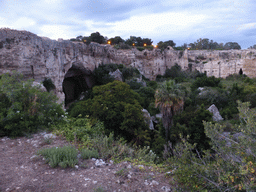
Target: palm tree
{"points": [[169, 99]]}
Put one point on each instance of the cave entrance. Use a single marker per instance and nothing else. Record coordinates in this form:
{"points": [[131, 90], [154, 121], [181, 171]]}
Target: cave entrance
{"points": [[76, 81]]}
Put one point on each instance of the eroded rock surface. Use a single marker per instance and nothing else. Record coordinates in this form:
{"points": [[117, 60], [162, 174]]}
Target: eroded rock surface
{"points": [[40, 57]]}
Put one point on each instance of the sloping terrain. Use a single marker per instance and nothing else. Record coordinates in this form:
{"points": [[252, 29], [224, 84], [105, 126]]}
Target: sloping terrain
{"points": [[22, 170]]}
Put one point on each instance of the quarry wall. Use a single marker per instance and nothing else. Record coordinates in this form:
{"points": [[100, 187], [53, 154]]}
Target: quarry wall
{"points": [[39, 57]]}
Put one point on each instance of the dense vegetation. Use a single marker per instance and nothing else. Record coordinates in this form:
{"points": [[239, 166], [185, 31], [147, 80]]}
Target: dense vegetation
{"points": [[201, 155], [25, 108]]}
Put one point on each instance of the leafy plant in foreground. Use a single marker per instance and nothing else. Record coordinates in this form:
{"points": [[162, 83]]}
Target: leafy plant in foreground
{"points": [[230, 166], [63, 156], [24, 107], [88, 154]]}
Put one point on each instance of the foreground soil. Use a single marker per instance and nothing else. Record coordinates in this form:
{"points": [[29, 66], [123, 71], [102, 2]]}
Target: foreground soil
{"points": [[22, 170]]}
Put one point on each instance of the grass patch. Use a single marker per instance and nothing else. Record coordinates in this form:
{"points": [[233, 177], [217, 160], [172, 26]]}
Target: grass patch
{"points": [[88, 154], [63, 157]]}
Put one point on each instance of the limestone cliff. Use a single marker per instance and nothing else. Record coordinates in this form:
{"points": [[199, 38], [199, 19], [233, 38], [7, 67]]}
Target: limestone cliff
{"points": [[39, 57]]}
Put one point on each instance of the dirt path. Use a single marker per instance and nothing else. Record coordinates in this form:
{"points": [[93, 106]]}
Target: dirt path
{"points": [[21, 170]]}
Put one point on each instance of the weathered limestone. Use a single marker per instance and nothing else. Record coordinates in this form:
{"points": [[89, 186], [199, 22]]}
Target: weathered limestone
{"points": [[216, 114], [39, 57]]}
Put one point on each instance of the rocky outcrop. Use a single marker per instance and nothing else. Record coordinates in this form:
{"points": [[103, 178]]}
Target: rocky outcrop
{"points": [[117, 74], [148, 119], [40, 57], [216, 114]]}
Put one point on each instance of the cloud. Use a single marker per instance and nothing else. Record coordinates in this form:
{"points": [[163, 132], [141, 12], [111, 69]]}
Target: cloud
{"points": [[23, 23], [169, 22], [247, 26], [55, 31]]}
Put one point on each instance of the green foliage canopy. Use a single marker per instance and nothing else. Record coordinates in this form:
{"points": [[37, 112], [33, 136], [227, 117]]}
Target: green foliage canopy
{"points": [[25, 108], [118, 107]]}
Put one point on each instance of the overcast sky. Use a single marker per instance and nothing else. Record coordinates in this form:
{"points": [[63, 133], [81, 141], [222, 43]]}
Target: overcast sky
{"points": [[183, 21]]}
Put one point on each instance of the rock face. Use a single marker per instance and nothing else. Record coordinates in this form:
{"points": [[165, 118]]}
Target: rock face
{"points": [[148, 119], [216, 114], [40, 57], [117, 74]]}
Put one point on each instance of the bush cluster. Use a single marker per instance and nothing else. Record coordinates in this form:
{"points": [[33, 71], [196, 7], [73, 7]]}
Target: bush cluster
{"points": [[102, 77], [229, 166], [60, 156], [25, 108], [118, 107]]}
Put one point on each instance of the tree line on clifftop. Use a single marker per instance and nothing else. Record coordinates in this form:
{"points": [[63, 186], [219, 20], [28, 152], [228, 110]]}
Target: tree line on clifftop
{"points": [[142, 43]]}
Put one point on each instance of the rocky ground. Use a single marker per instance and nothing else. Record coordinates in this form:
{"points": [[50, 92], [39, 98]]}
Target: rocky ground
{"points": [[22, 170]]}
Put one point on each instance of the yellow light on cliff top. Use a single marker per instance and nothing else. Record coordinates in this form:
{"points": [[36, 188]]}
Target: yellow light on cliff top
{"points": [[133, 44], [109, 42], [145, 44]]}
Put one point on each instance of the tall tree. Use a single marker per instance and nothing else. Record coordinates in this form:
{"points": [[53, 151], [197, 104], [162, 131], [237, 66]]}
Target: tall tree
{"points": [[116, 40], [169, 99], [97, 37], [232, 45], [163, 45]]}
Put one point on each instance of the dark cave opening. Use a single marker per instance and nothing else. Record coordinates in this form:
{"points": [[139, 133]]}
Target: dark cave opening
{"points": [[76, 81]]}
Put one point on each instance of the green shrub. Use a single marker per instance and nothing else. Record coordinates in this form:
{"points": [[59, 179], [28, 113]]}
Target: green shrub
{"points": [[229, 166], [141, 48], [102, 77], [205, 81], [129, 72], [147, 94], [48, 84], [118, 107], [88, 154], [134, 84], [174, 71], [79, 129], [63, 156], [101, 74], [210, 95], [25, 108], [152, 84], [191, 123]]}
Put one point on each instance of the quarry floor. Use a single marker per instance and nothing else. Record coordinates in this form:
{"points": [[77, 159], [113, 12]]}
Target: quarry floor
{"points": [[21, 170]]}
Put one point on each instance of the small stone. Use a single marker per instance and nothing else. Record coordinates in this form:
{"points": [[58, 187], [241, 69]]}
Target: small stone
{"points": [[154, 183], [129, 167], [94, 182], [53, 172], [111, 161], [73, 173], [166, 189], [76, 166], [49, 136], [93, 159], [99, 162], [87, 179], [34, 179], [33, 157]]}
